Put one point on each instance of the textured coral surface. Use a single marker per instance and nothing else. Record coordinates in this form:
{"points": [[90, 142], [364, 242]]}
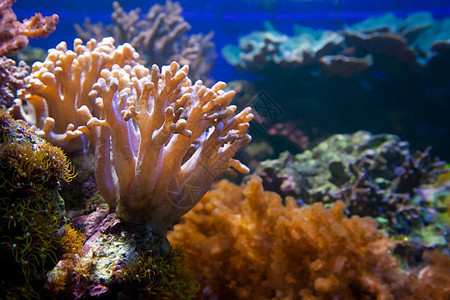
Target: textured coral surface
{"points": [[11, 79], [244, 244], [159, 139], [14, 35]]}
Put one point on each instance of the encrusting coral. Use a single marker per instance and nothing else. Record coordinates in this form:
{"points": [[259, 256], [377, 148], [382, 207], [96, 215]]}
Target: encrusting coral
{"points": [[242, 243], [14, 35], [159, 140]]}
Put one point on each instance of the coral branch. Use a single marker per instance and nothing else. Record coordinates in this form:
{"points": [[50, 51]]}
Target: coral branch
{"points": [[60, 85], [14, 35], [38, 26], [159, 37]]}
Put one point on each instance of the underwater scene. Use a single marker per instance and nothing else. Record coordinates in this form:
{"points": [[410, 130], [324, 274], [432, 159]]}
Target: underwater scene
{"points": [[272, 149]]}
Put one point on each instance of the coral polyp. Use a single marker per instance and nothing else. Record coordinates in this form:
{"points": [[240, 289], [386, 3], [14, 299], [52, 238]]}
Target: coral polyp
{"points": [[32, 216]]}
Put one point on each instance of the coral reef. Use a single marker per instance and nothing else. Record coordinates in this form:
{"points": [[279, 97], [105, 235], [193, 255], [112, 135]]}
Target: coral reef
{"points": [[120, 260], [159, 37], [386, 74], [261, 50], [14, 35], [374, 175], [243, 243], [371, 44], [34, 233], [357, 217], [169, 138]]}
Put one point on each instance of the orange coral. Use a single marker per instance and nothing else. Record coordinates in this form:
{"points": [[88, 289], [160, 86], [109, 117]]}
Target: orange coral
{"points": [[38, 26], [243, 243], [14, 35], [436, 273]]}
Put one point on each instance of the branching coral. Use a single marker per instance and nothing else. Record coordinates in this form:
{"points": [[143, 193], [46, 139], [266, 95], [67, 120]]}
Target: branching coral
{"points": [[160, 141], [244, 244], [14, 35], [159, 37], [169, 139], [60, 85], [156, 33]]}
